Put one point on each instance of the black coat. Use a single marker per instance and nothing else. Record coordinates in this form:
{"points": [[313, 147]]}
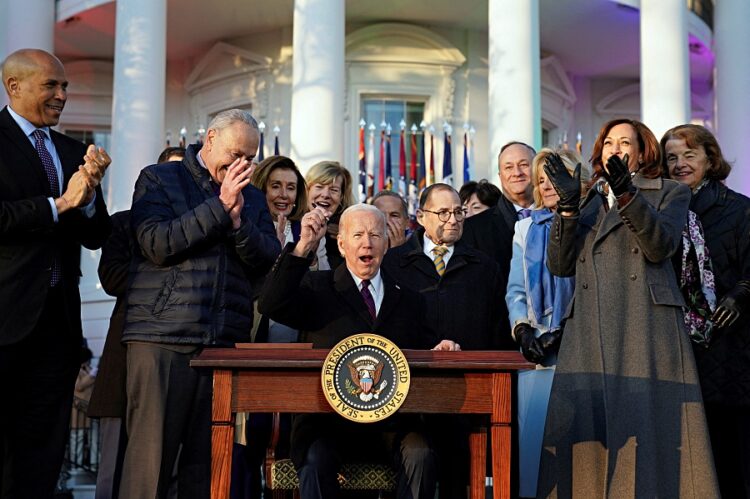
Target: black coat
{"points": [[326, 305], [108, 398], [191, 281], [491, 232], [724, 368], [30, 239], [466, 304]]}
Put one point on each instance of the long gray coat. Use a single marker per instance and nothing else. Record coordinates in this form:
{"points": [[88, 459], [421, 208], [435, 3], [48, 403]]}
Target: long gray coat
{"points": [[625, 416]]}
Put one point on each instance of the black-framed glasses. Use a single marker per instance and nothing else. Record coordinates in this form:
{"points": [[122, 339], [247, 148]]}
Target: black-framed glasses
{"points": [[445, 215]]}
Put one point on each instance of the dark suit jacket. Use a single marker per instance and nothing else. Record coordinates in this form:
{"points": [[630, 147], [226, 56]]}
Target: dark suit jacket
{"points": [[109, 396], [466, 304], [491, 232], [326, 307], [30, 240]]}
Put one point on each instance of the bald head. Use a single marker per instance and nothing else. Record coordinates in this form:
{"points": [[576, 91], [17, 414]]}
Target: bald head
{"points": [[36, 85]]}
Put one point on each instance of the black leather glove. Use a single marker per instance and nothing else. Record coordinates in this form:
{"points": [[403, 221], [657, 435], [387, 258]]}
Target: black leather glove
{"points": [[530, 347], [550, 341], [617, 175], [732, 305], [567, 186]]}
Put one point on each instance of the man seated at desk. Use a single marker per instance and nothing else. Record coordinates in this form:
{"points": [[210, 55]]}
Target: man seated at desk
{"points": [[328, 306]]}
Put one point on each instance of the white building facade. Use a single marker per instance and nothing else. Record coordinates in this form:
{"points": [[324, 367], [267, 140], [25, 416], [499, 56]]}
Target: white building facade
{"points": [[539, 71]]}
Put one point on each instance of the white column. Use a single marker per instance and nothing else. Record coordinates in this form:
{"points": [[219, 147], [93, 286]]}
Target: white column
{"points": [[665, 65], [732, 87], [515, 109], [138, 95], [27, 24], [317, 129]]}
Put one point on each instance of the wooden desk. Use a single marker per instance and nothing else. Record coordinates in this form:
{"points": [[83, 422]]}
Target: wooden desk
{"points": [[288, 380]]}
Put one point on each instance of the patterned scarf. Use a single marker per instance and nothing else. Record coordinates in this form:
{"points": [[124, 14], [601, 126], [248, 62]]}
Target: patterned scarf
{"points": [[697, 283], [545, 293]]}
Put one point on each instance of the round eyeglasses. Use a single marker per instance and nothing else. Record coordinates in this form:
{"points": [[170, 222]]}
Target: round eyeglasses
{"points": [[445, 215]]}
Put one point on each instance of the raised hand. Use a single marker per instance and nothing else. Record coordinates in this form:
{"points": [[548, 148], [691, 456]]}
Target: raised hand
{"points": [[313, 228], [617, 175], [281, 228], [396, 236], [236, 179], [96, 161], [567, 186]]}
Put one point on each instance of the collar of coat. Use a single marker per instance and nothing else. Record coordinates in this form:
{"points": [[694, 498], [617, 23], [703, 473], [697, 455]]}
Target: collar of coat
{"points": [[413, 255]]}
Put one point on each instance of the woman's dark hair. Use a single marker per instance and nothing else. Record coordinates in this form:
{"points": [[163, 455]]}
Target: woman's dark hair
{"points": [[488, 194], [647, 144], [698, 136], [262, 173]]}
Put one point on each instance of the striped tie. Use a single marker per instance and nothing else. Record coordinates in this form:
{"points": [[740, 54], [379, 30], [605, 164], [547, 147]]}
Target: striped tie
{"points": [[439, 252]]}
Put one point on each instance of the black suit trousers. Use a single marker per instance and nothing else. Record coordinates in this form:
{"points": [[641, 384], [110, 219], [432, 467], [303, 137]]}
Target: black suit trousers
{"points": [[37, 378]]}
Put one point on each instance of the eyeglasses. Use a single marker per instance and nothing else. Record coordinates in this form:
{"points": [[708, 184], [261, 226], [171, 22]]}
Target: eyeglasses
{"points": [[445, 215]]}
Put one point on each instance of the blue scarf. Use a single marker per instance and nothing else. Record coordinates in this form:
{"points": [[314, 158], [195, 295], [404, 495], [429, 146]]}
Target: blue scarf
{"points": [[545, 293]]}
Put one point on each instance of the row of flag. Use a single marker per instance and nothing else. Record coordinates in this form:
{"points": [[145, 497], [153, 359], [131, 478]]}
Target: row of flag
{"points": [[375, 178]]}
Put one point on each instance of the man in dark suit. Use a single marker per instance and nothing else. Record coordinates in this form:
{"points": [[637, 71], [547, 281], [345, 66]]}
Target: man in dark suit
{"points": [[464, 294], [492, 230], [327, 307], [50, 205]]}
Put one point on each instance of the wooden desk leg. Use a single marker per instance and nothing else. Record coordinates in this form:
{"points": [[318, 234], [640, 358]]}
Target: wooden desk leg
{"points": [[222, 434], [501, 435], [478, 464]]}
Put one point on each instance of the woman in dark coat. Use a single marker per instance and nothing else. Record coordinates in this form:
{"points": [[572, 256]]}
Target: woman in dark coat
{"points": [[625, 416], [692, 156]]}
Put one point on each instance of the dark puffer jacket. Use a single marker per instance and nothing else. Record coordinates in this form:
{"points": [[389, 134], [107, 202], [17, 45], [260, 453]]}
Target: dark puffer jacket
{"points": [[191, 282], [724, 368]]}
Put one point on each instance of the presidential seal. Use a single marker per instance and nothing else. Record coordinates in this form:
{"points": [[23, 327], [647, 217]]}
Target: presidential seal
{"points": [[365, 378]]}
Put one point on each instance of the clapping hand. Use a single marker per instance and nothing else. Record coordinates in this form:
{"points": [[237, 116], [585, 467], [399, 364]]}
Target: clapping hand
{"points": [[567, 186], [96, 162], [617, 175]]}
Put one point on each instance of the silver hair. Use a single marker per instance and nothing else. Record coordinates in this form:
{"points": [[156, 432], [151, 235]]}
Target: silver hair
{"points": [[231, 116], [368, 208]]}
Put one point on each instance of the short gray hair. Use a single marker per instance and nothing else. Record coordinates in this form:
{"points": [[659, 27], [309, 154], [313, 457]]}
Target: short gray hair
{"points": [[362, 207], [231, 116]]}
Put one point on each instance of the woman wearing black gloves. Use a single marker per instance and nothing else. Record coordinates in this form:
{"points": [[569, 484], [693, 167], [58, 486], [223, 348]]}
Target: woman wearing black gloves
{"points": [[537, 302], [625, 415], [692, 156]]}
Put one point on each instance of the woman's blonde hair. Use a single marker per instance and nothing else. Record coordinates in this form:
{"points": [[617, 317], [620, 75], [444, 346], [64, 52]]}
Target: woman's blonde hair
{"points": [[569, 158], [326, 172]]}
